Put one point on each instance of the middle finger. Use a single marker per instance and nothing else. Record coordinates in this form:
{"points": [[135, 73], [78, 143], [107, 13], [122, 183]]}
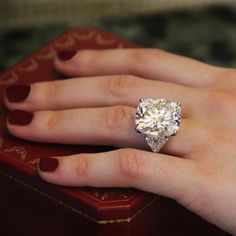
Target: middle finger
{"points": [[96, 92]]}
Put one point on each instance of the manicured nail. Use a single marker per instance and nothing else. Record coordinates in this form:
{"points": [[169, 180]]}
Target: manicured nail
{"points": [[66, 55], [48, 164], [19, 117], [17, 93]]}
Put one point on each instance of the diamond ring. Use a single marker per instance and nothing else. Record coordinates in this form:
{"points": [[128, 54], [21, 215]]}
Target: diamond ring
{"points": [[157, 119]]}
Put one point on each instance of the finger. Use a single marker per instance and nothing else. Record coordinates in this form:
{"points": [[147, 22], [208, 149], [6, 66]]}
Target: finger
{"points": [[98, 92], [157, 173], [114, 126], [147, 63]]}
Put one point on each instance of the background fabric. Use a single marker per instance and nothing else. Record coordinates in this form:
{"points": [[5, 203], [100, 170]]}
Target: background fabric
{"points": [[18, 13], [206, 32]]}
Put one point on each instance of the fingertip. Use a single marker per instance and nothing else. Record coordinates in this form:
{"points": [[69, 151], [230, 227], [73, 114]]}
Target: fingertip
{"points": [[54, 170], [48, 164], [66, 67], [47, 169], [15, 95], [66, 55], [6, 102], [20, 117], [17, 123]]}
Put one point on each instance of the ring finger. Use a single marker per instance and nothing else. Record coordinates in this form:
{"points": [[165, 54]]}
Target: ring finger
{"points": [[97, 126]]}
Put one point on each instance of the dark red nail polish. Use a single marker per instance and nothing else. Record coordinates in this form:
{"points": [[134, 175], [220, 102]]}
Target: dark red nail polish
{"points": [[48, 164], [17, 93], [19, 117], [66, 55]]}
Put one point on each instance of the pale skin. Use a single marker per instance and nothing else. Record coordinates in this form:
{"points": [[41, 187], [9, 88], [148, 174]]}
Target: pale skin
{"points": [[197, 167]]}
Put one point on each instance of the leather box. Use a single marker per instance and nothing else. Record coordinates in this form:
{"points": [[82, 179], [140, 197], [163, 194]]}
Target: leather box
{"points": [[29, 206]]}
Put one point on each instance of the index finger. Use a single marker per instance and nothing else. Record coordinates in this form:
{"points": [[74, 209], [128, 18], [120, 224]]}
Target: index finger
{"points": [[147, 63]]}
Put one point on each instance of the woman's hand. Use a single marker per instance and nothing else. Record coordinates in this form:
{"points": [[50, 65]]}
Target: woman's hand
{"points": [[97, 106]]}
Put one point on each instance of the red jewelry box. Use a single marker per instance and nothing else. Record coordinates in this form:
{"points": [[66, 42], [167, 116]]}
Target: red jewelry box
{"points": [[29, 206]]}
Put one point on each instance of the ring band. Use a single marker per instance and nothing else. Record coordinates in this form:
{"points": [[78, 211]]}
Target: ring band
{"points": [[157, 119]]}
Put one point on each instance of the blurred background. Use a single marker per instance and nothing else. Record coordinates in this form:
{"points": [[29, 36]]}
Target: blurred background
{"points": [[202, 29]]}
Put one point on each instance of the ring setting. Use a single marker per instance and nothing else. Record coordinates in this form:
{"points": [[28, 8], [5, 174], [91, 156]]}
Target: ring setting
{"points": [[158, 119]]}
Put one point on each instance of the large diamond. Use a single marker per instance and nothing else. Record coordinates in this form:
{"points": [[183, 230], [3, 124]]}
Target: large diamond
{"points": [[158, 119]]}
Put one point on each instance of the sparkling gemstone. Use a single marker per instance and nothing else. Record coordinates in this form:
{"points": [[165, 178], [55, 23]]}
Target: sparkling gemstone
{"points": [[158, 119], [155, 142]]}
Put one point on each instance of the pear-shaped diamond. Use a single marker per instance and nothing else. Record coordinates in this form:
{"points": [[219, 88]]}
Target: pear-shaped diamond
{"points": [[155, 142]]}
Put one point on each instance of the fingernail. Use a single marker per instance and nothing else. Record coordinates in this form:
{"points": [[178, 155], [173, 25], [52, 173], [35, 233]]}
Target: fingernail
{"points": [[48, 164], [66, 55], [19, 117], [17, 93]]}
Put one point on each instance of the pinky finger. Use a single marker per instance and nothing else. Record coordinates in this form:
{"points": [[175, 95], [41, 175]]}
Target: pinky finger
{"points": [[157, 173]]}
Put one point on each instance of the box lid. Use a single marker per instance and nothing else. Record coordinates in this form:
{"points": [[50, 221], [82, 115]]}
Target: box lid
{"points": [[19, 158]]}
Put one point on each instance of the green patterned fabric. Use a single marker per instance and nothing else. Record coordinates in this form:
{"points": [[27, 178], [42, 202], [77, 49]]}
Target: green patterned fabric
{"points": [[207, 34], [18, 13]]}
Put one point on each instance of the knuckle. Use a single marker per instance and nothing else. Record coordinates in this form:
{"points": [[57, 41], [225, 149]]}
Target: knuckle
{"points": [[199, 145], [221, 72], [220, 102], [201, 142], [141, 57], [51, 92], [119, 87], [117, 118], [82, 165], [53, 121], [131, 164]]}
